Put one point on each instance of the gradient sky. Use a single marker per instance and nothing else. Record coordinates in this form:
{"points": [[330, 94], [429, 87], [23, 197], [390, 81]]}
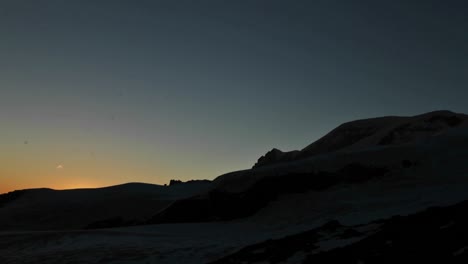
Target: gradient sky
{"points": [[96, 93]]}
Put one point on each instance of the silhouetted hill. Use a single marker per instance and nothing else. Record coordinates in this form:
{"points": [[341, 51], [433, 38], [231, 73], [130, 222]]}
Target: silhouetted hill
{"points": [[10, 197], [131, 203]]}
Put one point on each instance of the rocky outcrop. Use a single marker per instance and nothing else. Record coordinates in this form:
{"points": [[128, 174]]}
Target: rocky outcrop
{"points": [[276, 155], [179, 182]]}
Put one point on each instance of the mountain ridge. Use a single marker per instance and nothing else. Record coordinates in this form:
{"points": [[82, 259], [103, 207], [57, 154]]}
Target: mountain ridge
{"points": [[377, 131]]}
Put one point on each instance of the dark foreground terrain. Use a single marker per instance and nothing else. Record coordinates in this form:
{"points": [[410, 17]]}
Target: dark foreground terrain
{"points": [[435, 235]]}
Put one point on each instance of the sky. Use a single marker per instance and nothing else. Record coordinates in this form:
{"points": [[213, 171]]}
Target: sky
{"points": [[97, 93]]}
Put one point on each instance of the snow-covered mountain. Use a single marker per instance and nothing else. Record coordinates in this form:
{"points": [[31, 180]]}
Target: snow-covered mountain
{"points": [[368, 164], [374, 132], [364, 187]]}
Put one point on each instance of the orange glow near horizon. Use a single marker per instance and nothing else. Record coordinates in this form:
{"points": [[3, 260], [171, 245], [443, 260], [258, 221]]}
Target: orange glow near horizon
{"points": [[59, 184], [74, 173], [78, 172], [7, 189], [57, 160], [66, 178]]}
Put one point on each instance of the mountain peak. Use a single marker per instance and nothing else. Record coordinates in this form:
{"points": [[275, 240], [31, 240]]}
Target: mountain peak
{"points": [[274, 155], [372, 132]]}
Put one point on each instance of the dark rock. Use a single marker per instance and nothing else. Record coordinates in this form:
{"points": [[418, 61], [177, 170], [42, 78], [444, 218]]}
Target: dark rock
{"points": [[175, 182]]}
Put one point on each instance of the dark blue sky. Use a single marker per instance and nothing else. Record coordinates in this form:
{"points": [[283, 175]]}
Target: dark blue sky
{"points": [[121, 91]]}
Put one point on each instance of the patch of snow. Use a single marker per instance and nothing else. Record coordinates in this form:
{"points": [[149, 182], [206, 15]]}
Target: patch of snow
{"points": [[460, 251]]}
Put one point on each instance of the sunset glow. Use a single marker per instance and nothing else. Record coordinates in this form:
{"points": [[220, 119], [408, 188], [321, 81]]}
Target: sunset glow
{"points": [[98, 93]]}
